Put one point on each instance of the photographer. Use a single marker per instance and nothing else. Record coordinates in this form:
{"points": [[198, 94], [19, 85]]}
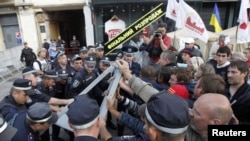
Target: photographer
{"points": [[157, 43]]}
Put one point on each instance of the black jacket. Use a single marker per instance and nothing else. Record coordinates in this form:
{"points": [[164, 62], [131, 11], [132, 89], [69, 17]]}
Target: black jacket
{"points": [[241, 103]]}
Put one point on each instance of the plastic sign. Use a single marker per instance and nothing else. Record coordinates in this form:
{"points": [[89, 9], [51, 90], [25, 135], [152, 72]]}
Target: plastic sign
{"points": [[135, 28]]}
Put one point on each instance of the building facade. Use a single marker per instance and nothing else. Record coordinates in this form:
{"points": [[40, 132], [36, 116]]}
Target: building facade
{"points": [[34, 20]]}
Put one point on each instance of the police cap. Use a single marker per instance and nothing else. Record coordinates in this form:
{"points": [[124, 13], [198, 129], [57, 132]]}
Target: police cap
{"points": [[76, 57], [90, 61], [129, 50], [29, 70], [83, 112], [99, 46], [61, 53], [105, 60], [40, 112], [51, 74], [63, 74], [84, 49], [25, 85], [168, 113]]}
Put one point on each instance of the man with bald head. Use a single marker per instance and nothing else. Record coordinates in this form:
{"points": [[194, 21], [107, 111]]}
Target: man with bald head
{"points": [[209, 109]]}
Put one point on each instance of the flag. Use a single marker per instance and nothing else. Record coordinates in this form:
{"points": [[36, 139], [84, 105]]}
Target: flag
{"points": [[189, 20], [215, 19], [172, 9], [242, 32]]}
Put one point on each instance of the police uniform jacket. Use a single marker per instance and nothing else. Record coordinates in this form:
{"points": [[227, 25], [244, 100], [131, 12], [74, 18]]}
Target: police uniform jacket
{"points": [[103, 84], [37, 97], [67, 91], [49, 91], [81, 80], [240, 103], [24, 132], [135, 68], [8, 107], [60, 88], [85, 138]]}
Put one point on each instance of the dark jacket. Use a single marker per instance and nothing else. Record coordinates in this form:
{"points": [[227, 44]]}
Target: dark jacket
{"points": [[135, 68], [8, 107], [133, 123], [28, 56], [80, 81], [240, 103]]}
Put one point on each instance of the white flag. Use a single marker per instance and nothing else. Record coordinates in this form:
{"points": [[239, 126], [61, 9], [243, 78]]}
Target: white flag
{"points": [[242, 33], [189, 20], [172, 9]]}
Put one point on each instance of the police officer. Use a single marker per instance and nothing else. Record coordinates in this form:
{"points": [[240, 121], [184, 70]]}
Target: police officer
{"points": [[103, 64], [99, 53], [83, 77], [128, 56], [61, 62], [84, 121], [60, 87], [29, 123], [77, 65], [19, 94], [83, 53], [47, 85], [30, 74]]}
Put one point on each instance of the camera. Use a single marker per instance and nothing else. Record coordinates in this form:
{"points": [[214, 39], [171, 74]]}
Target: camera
{"points": [[158, 34]]}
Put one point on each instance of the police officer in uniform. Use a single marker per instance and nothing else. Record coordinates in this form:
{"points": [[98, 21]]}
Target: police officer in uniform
{"points": [[60, 87], [99, 53], [84, 121], [83, 53], [29, 123], [128, 56], [15, 102], [103, 64], [77, 65], [83, 77], [47, 85], [31, 74]]}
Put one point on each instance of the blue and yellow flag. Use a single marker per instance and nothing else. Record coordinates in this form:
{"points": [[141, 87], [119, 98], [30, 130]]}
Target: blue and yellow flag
{"points": [[215, 19]]}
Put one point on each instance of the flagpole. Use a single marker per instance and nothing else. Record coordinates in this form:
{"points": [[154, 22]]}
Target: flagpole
{"points": [[174, 38], [237, 28]]}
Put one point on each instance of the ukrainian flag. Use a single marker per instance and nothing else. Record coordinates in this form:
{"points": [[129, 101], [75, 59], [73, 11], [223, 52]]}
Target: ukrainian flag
{"points": [[215, 19]]}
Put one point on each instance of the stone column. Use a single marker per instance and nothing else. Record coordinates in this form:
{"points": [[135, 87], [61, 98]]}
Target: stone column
{"points": [[89, 31], [28, 26]]}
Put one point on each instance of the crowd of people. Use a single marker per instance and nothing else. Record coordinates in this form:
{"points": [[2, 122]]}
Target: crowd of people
{"points": [[174, 96]]}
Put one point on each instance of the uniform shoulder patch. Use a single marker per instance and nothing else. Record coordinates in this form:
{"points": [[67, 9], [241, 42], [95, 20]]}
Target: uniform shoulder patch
{"points": [[75, 83]]}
